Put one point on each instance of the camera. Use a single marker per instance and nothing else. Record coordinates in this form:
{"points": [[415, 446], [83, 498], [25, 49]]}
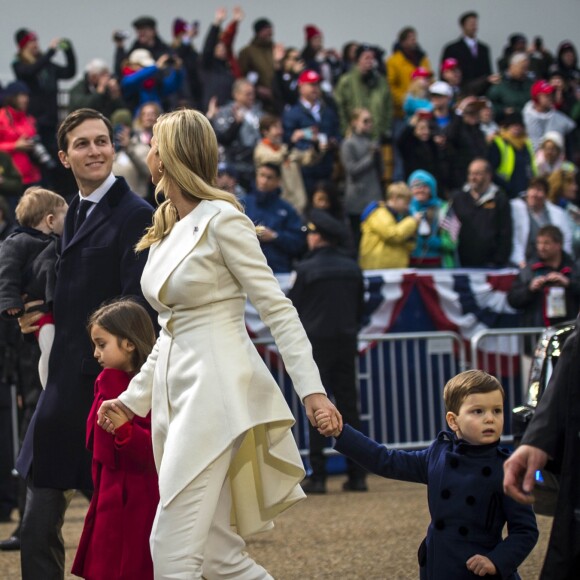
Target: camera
{"points": [[40, 155], [119, 35]]}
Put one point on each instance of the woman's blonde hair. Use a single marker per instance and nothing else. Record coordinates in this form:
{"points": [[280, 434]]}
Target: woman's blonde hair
{"points": [[187, 148], [354, 117], [558, 180]]}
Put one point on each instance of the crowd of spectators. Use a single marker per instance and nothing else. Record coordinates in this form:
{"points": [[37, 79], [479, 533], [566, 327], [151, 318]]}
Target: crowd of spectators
{"points": [[463, 141]]}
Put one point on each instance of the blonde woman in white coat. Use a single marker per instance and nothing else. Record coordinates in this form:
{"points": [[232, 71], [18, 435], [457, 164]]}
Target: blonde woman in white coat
{"points": [[221, 428]]}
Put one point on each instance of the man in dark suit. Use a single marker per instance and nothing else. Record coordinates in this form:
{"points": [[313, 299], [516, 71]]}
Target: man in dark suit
{"points": [[472, 56], [97, 262]]}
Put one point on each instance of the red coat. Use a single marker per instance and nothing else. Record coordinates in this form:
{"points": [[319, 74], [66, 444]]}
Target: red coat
{"points": [[13, 125], [115, 541]]}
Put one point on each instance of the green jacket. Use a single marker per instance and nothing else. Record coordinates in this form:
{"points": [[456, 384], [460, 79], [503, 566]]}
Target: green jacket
{"points": [[351, 92]]}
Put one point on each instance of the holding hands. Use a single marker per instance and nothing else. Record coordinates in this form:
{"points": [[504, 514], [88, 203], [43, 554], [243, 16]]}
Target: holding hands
{"points": [[112, 414], [325, 425]]}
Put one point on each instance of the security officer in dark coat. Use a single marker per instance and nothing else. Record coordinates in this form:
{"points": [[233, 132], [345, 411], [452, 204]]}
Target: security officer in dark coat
{"points": [[328, 294], [554, 436]]}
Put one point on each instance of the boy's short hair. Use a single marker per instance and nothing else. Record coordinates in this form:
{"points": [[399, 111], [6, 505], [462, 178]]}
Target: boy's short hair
{"points": [[35, 204], [267, 122], [399, 190], [468, 383]]}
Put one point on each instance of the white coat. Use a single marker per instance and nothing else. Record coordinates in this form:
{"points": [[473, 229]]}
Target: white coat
{"points": [[521, 228], [204, 382]]}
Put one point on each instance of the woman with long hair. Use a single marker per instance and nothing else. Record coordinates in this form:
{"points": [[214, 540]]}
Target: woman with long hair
{"points": [[221, 428], [363, 165]]}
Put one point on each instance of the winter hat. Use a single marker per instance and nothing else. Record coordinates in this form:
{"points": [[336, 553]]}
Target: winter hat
{"points": [[420, 73], [144, 22], [24, 36], [363, 48], [555, 137], [180, 26], [15, 88], [308, 77], [260, 24], [311, 31]]}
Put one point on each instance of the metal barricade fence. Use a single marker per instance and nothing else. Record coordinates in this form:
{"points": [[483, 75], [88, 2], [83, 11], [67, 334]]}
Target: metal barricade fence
{"points": [[501, 352], [400, 378]]}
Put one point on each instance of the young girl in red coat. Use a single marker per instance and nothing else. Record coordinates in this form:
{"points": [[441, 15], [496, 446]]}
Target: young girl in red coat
{"points": [[115, 539]]}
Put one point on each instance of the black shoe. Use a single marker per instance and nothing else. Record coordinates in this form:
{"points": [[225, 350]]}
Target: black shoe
{"points": [[312, 485], [355, 484], [11, 544]]}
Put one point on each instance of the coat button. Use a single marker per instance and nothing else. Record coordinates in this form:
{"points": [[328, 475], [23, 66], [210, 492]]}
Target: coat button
{"points": [[445, 494], [486, 471], [463, 531], [470, 500], [439, 524], [454, 462]]}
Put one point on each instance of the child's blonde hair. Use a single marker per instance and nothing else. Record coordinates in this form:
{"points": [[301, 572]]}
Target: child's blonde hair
{"points": [[125, 318], [398, 190], [35, 204], [468, 383], [418, 88]]}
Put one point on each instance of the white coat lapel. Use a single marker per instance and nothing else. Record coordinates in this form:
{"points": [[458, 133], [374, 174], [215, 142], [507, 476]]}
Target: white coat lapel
{"points": [[169, 253]]}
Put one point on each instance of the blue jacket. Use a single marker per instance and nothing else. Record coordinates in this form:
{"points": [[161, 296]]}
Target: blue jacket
{"points": [[466, 501], [267, 209], [134, 86], [429, 244], [299, 117]]}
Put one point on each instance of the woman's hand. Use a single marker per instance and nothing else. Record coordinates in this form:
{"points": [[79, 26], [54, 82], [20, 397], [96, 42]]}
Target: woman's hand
{"points": [[112, 406], [317, 402]]}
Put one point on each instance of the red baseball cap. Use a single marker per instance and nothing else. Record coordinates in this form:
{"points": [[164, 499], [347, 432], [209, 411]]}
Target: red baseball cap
{"points": [[449, 63], [541, 88], [420, 73], [308, 77]]}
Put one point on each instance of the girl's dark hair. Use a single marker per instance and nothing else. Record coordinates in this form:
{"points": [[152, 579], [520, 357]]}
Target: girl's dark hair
{"points": [[125, 318], [336, 209]]}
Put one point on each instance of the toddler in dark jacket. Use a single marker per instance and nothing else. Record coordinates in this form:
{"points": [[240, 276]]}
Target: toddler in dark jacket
{"points": [[28, 263], [463, 470]]}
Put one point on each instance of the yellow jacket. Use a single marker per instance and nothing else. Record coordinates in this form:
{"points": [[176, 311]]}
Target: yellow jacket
{"points": [[399, 71], [386, 243]]}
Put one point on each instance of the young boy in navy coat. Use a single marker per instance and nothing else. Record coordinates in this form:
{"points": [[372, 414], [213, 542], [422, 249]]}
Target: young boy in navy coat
{"points": [[464, 474]]}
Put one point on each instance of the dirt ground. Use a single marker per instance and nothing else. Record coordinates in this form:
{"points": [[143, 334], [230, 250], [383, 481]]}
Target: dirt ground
{"points": [[370, 536]]}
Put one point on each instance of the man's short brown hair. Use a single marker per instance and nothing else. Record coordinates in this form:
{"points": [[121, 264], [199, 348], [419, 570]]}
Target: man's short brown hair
{"points": [[552, 232], [468, 383], [74, 119], [35, 204], [539, 183]]}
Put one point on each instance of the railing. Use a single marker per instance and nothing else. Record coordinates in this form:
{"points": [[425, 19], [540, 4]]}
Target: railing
{"points": [[401, 377], [400, 380]]}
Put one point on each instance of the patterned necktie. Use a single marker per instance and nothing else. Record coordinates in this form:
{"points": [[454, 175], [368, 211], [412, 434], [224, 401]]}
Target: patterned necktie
{"points": [[81, 216]]}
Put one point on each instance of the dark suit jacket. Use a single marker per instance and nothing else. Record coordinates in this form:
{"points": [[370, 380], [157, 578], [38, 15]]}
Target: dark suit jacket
{"points": [[472, 68], [555, 429], [95, 265]]}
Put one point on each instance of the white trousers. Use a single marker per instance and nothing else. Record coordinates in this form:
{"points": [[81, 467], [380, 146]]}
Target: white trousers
{"points": [[45, 340], [192, 537]]}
